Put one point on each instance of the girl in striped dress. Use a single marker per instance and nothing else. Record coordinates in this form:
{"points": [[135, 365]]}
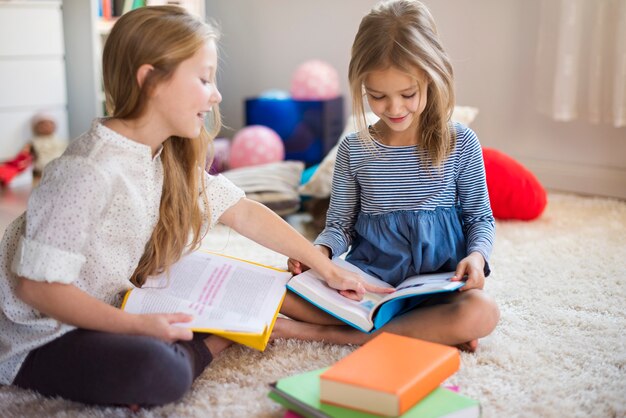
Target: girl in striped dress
{"points": [[409, 194]]}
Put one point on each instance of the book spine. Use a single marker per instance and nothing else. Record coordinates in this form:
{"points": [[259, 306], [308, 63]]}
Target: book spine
{"points": [[422, 386], [107, 9]]}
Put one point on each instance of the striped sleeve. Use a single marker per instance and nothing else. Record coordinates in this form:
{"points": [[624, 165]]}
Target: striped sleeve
{"points": [[344, 205], [478, 221]]}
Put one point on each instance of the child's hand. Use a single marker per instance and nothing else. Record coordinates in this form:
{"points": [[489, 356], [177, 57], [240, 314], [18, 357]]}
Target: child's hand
{"points": [[351, 285], [473, 268], [160, 326], [296, 267], [347, 283]]}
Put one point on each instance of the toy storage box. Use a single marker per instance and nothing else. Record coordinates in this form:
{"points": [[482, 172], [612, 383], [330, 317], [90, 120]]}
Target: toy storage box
{"points": [[308, 128]]}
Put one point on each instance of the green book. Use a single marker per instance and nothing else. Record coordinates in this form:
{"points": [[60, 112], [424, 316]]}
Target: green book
{"points": [[300, 393]]}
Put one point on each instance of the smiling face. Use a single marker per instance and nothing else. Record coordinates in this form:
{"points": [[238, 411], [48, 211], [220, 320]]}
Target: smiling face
{"points": [[397, 98], [181, 103]]}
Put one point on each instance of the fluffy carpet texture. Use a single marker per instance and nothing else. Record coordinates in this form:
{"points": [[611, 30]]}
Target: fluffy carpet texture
{"points": [[559, 349]]}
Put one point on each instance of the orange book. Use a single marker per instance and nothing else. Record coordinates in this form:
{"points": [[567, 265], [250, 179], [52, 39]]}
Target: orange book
{"points": [[388, 375]]}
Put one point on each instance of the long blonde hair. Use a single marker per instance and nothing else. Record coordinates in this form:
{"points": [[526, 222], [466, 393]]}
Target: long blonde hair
{"points": [[162, 36], [402, 34]]}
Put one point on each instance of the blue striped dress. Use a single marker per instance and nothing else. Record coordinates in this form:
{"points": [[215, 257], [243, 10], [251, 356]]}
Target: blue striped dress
{"points": [[400, 216]]}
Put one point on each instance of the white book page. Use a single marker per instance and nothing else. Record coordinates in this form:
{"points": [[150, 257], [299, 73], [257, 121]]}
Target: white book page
{"points": [[432, 278], [433, 287], [424, 284], [209, 280], [146, 301]]}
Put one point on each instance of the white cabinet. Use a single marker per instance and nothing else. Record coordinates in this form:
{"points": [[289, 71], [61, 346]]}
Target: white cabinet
{"points": [[32, 70]]}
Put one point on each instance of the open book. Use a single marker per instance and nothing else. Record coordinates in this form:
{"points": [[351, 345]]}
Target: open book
{"points": [[233, 298], [374, 310]]}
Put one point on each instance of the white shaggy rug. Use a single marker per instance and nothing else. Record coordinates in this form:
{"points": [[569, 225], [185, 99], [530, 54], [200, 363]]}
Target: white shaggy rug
{"points": [[559, 350]]}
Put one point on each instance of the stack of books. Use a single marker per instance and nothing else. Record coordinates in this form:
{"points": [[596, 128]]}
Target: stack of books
{"points": [[391, 375]]}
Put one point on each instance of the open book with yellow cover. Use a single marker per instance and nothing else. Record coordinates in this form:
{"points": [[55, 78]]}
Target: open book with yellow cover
{"points": [[233, 298]]}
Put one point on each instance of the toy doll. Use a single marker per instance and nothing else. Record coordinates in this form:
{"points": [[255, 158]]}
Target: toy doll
{"points": [[46, 146]]}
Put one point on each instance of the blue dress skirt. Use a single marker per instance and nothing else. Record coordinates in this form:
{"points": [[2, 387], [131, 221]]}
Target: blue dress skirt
{"points": [[395, 245]]}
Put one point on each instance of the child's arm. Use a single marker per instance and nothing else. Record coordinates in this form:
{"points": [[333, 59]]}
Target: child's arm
{"points": [[478, 221], [296, 267], [68, 304], [344, 204], [261, 225]]}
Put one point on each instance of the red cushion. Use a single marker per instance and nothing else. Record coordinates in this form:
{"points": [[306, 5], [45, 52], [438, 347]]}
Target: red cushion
{"points": [[514, 192]]}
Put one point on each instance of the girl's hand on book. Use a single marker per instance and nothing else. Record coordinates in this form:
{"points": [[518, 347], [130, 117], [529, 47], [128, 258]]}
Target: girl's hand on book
{"points": [[352, 286], [472, 270], [161, 326], [296, 267]]}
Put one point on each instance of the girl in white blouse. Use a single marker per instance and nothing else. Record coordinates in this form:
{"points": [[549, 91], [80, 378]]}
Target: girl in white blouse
{"points": [[118, 206]]}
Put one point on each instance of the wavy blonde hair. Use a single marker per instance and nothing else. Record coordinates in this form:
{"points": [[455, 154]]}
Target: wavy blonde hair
{"points": [[402, 34], [162, 36]]}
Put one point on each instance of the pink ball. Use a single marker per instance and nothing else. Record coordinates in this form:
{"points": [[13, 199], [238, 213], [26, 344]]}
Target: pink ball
{"points": [[255, 145], [315, 80]]}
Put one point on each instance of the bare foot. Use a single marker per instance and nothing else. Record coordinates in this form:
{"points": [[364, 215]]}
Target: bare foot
{"points": [[469, 346], [287, 328], [334, 334], [134, 408], [216, 344]]}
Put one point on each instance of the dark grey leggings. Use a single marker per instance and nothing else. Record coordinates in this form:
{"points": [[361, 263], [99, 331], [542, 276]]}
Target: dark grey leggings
{"points": [[114, 369]]}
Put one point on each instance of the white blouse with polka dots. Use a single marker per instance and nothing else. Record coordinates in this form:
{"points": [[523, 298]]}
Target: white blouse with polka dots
{"points": [[87, 223]]}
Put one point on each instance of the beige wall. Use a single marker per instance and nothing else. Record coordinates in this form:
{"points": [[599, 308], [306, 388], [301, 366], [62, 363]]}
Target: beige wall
{"points": [[492, 45]]}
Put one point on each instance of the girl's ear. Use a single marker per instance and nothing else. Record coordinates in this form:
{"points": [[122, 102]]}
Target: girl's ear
{"points": [[142, 73]]}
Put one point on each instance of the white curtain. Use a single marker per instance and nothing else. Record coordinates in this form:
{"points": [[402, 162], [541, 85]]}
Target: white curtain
{"points": [[581, 61]]}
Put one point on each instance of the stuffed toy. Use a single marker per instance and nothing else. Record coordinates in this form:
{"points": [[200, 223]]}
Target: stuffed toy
{"points": [[46, 146], [514, 192]]}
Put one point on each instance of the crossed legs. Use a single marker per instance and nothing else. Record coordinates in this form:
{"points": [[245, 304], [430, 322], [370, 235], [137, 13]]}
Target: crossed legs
{"points": [[457, 319]]}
